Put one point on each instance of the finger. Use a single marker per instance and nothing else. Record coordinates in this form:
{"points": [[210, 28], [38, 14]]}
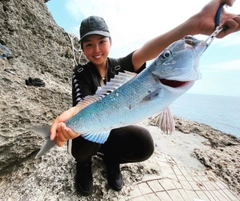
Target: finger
{"points": [[71, 134], [237, 19], [232, 25], [60, 143], [229, 2], [62, 137], [62, 133], [67, 132]]}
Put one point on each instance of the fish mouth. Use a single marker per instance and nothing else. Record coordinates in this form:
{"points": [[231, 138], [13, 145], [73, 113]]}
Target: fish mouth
{"points": [[174, 83], [190, 40]]}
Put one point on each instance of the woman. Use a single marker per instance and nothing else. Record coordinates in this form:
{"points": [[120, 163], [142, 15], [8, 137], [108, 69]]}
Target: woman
{"points": [[131, 143]]}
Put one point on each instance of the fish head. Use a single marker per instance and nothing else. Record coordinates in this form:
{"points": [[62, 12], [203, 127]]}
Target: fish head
{"points": [[177, 67]]}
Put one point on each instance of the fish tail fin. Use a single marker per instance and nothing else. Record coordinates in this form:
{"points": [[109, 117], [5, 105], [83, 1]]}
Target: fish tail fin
{"points": [[165, 121], [44, 132]]}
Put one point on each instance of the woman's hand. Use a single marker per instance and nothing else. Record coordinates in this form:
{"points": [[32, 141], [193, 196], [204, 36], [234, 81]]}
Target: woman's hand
{"points": [[60, 131], [205, 19], [64, 134], [200, 23]]}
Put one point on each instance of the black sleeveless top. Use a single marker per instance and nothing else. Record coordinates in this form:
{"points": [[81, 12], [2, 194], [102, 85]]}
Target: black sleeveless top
{"points": [[86, 78]]}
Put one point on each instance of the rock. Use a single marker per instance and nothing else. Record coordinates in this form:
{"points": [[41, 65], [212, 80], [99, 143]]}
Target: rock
{"points": [[39, 49], [223, 157]]}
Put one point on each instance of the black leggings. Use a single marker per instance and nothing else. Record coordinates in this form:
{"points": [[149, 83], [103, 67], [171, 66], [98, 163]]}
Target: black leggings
{"points": [[124, 145]]}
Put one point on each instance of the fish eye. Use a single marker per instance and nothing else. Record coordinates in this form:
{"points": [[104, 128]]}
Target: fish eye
{"points": [[166, 54]]}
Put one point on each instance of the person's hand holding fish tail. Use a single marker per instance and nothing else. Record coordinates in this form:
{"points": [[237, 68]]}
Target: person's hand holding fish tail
{"points": [[60, 131]]}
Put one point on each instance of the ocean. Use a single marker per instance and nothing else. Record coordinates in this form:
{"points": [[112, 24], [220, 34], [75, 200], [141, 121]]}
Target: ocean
{"points": [[219, 112]]}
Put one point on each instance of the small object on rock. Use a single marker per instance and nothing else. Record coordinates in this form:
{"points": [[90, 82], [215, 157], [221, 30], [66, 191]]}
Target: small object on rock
{"points": [[37, 82], [6, 53], [9, 71]]}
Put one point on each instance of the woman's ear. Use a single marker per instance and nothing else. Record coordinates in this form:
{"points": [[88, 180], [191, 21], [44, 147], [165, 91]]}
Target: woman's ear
{"points": [[110, 40], [82, 46]]}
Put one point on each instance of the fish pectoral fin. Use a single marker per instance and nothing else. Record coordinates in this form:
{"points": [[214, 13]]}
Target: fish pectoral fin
{"points": [[96, 137], [165, 121], [44, 131], [152, 95]]}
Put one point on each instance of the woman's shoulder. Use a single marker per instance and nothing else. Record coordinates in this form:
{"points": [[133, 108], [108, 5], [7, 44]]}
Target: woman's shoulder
{"points": [[122, 63], [81, 69], [121, 59]]}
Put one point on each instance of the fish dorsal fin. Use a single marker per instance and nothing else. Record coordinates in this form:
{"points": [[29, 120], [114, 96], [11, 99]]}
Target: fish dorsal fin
{"points": [[119, 79], [165, 121]]}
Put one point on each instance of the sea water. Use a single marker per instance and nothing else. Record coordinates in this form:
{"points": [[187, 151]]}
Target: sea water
{"points": [[219, 112]]}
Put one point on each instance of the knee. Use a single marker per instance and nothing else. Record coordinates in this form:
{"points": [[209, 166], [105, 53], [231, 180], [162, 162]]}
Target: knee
{"points": [[147, 144], [147, 150]]}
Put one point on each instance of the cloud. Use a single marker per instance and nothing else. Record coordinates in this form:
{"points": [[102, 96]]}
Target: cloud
{"points": [[231, 40], [133, 22], [218, 83], [223, 66]]}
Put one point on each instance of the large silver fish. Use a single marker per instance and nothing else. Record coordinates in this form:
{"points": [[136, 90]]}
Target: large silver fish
{"points": [[130, 98]]}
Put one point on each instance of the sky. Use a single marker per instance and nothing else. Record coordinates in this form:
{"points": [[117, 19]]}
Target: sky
{"points": [[134, 22]]}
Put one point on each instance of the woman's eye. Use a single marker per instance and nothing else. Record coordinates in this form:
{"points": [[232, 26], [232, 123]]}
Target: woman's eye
{"points": [[103, 41], [88, 45], [166, 54]]}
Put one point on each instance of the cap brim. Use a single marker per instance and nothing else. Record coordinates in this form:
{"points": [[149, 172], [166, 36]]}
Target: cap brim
{"points": [[102, 33]]}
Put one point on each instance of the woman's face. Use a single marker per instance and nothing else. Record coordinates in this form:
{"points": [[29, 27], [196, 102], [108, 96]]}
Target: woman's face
{"points": [[96, 48]]}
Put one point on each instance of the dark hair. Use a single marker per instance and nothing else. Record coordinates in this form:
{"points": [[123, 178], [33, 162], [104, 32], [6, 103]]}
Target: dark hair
{"points": [[81, 42]]}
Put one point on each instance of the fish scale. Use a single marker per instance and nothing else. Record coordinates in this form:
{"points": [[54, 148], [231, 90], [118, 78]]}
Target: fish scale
{"points": [[113, 110]]}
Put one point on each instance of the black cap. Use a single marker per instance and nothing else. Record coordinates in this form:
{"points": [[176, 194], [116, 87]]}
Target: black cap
{"points": [[93, 25]]}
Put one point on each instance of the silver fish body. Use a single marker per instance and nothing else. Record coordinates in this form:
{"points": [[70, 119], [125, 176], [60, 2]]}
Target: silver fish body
{"points": [[130, 98]]}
